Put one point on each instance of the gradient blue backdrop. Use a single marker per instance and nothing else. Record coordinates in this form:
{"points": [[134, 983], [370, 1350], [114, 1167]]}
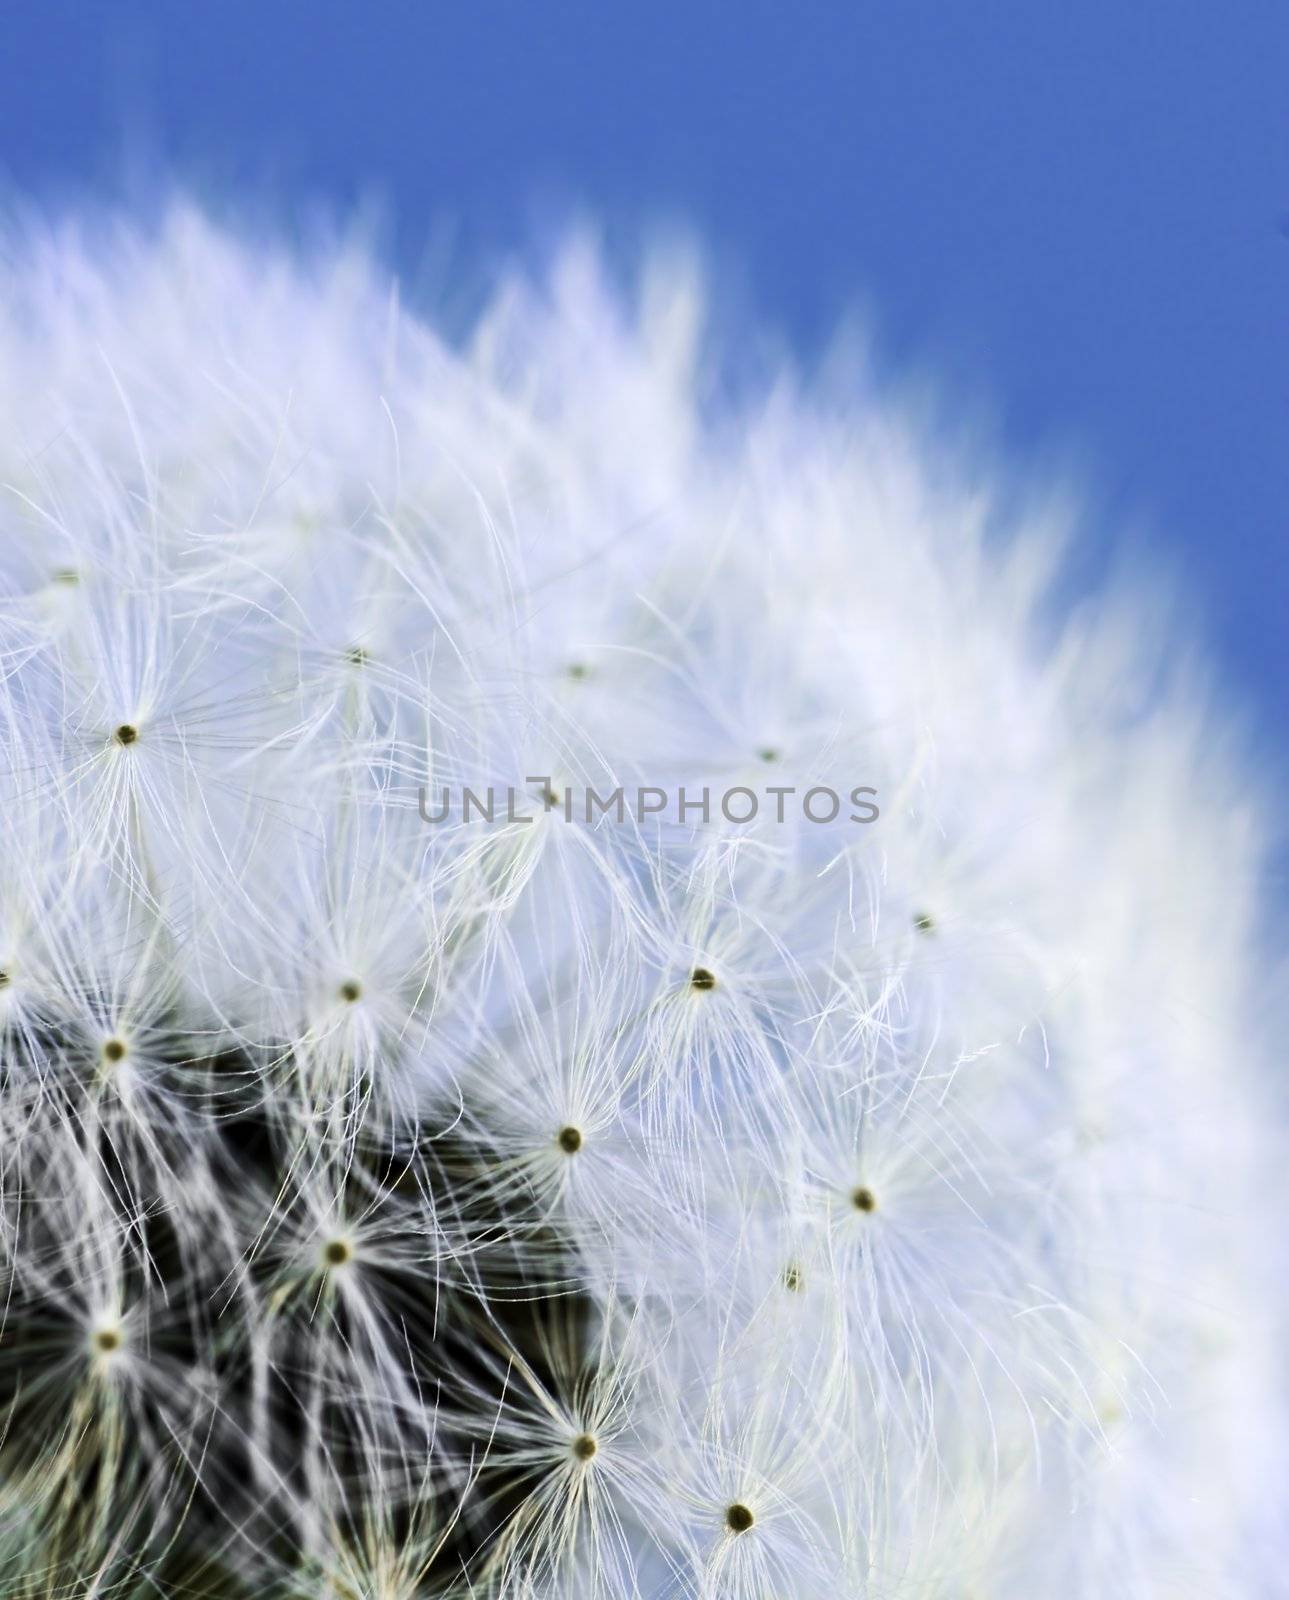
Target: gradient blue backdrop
{"points": [[1079, 211]]}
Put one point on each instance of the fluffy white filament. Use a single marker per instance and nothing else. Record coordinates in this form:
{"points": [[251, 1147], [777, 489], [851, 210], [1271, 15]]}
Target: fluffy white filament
{"points": [[636, 1207]]}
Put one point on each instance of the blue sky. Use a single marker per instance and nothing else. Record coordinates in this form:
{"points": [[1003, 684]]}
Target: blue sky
{"points": [[1077, 213]]}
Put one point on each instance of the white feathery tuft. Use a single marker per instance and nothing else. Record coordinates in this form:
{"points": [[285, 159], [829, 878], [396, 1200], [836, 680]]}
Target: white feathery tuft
{"points": [[569, 1204]]}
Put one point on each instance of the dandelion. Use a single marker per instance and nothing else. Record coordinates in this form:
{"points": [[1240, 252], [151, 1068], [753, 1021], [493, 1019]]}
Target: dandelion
{"points": [[397, 1200]]}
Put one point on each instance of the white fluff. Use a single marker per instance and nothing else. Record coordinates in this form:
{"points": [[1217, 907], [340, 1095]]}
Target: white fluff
{"points": [[634, 1207]]}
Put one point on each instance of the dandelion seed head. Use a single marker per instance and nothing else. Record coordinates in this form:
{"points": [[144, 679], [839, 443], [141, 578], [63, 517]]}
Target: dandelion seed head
{"points": [[473, 1237]]}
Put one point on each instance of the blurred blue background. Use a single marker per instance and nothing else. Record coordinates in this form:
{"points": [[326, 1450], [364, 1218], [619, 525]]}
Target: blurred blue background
{"points": [[1077, 213]]}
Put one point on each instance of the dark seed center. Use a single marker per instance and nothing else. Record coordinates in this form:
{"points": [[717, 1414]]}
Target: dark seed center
{"points": [[114, 1050], [584, 1447], [701, 978], [738, 1519], [864, 1199], [127, 733], [336, 1252], [570, 1140], [351, 992]]}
